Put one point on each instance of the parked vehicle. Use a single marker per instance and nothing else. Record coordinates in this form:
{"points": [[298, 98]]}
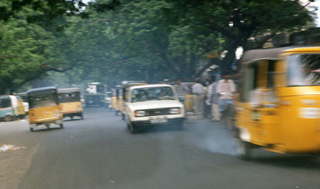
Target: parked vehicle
{"points": [[152, 104], [11, 108], [70, 102], [44, 108], [24, 98], [279, 104]]}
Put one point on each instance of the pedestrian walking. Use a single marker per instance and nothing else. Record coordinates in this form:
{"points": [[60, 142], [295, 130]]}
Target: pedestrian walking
{"points": [[198, 92], [213, 99], [225, 89]]}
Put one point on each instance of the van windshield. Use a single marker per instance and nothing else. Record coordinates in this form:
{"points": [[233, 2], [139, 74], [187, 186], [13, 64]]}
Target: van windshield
{"points": [[42, 101], [152, 93], [304, 70]]}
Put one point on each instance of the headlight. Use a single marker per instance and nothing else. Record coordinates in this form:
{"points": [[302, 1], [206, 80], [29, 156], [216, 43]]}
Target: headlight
{"points": [[139, 113], [175, 111]]}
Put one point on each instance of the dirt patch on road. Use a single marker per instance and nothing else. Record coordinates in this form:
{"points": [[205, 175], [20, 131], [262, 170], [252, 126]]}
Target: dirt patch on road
{"points": [[17, 148], [13, 165]]}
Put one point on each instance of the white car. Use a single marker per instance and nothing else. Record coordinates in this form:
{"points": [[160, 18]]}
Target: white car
{"points": [[153, 104]]}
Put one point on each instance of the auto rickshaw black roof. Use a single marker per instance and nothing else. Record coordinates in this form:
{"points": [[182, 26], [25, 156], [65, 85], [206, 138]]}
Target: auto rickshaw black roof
{"points": [[68, 90], [42, 90]]}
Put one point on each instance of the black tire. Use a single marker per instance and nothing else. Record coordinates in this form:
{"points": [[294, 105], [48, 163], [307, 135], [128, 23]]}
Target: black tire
{"points": [[244, 150], [132, 128], [31, 129], [71, 117], [61, 125], [81, 117], [8, 118]]}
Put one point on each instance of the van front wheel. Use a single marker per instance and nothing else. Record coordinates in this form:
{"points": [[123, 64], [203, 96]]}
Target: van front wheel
{"points": [[132, 128]]}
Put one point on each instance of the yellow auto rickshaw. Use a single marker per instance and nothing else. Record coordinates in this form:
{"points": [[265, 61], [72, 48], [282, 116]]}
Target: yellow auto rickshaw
{"points": [[70, 102], [278, 107], [44, 108]]}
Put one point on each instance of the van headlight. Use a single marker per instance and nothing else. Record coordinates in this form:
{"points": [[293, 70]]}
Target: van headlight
{"points": [[175, 111], [140, 113]]}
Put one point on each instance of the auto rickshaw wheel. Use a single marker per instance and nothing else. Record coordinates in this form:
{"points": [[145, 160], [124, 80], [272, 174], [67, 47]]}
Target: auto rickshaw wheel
{"points": [[31, 129], [81, 117], [244, 150], [61, 126]]}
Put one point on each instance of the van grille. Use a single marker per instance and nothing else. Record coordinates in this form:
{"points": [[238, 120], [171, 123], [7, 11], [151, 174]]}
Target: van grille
{"points": [[156, 112]]}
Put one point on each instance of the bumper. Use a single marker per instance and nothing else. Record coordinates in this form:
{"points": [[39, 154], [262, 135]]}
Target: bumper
{"points": [[72, 114], [35, 124], [169, 121]]}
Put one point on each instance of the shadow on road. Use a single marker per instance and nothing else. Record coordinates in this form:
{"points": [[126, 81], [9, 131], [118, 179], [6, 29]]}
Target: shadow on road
{"points": [[290, 161]]}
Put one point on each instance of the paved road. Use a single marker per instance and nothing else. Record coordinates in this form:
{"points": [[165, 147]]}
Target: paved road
{"points": [[99, 153]]}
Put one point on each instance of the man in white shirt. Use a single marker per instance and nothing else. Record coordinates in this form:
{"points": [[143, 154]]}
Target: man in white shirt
{"points": [[226, 89], [198, 92]]}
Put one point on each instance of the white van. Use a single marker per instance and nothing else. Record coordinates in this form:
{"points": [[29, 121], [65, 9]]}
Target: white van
{"points": [[153, 104]]}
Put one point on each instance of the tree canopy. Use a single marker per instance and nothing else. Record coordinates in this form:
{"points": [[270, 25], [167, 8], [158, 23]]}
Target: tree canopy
{"points": [[110, 41]]}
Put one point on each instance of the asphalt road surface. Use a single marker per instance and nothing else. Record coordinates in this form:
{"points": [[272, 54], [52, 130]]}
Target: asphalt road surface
{"points": [[99, 153]]}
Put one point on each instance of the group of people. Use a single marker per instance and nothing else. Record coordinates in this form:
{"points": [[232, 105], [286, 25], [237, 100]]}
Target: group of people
{"points": [[211, 100]]}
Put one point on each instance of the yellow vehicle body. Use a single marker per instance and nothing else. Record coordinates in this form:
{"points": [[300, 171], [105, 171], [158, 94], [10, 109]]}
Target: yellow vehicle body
{"points": [[20, 111], [275, 110], [68, 108], [114, 103], [45, 115], [188, 105], [44, 108], [70, 102]]}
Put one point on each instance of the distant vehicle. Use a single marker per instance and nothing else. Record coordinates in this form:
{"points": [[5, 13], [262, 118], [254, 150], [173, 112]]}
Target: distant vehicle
{"points": [[278, 108], [95, 95], [70, 102], [152, 104], [95, 88], [11, 108], [44, 108]]}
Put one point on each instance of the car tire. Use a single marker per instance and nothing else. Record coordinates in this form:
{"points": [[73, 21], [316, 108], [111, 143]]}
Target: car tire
{"points": [[244, 150], [8, 118], [31, 129], [81, 117], [61, 126], [132, 128]]}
